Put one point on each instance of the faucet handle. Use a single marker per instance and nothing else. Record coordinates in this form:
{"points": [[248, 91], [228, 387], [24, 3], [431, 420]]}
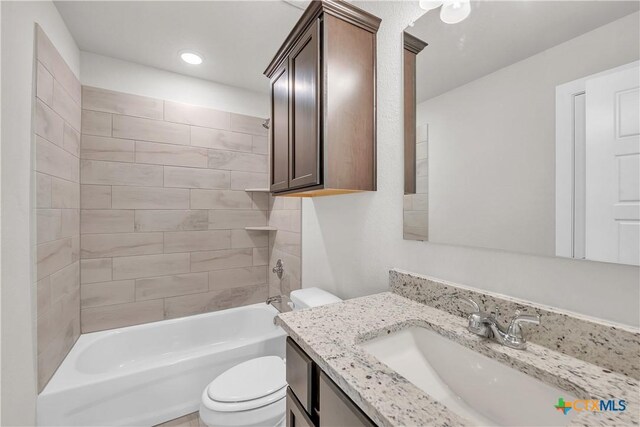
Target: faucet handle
{"points": [[476, 319], [471, 303], [514, 326]]}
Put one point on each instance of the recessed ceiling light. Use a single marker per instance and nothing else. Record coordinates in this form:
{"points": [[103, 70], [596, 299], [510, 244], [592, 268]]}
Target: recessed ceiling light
{"points": [[191, 57]]}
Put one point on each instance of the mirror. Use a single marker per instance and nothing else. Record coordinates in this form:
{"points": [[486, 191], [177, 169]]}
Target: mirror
{"points": [[524, 132]]}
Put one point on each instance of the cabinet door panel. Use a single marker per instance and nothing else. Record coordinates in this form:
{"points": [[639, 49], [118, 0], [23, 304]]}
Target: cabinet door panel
{"points": [[296, 415], [336, 409], [304, 65], [280, 129]]}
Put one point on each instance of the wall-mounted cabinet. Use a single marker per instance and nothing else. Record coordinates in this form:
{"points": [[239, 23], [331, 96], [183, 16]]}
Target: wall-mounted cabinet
{"points": [[323, 103]]}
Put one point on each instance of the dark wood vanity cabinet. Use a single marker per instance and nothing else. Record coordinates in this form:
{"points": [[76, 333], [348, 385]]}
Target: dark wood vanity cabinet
{"points": [[412, 46], [323, 103], [313, 399]]}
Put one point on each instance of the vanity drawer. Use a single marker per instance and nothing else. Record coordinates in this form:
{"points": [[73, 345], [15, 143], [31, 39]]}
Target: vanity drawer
{"points": [[296, 415]]}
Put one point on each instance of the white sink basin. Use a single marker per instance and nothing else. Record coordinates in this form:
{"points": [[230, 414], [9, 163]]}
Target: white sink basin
{"points": [[477, 388]]}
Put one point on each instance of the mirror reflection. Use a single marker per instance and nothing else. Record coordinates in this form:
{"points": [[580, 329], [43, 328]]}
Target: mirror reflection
{"points": [[523, 133]]}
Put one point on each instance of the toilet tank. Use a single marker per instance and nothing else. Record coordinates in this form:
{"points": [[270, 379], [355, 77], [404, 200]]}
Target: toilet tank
{"points": [[311, 297]]}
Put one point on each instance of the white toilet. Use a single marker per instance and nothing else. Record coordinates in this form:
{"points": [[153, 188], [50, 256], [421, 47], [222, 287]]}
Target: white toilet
{"points": [[253, 393]]}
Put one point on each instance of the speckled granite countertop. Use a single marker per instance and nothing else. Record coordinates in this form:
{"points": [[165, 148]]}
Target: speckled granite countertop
{"points": [[330, 335]]}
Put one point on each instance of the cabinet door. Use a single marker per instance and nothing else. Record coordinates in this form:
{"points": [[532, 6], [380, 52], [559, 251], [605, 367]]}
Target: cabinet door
{"points": [[336, 409], [296, 415], [304, 152], [280, 129]]}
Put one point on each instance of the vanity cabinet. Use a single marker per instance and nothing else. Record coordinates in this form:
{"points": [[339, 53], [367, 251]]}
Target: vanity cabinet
{"points": [[412, 46], [323, 103], [313, 399]]}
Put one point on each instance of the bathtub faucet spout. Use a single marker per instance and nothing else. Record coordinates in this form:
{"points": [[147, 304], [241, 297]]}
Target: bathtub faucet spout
{"points": [[275, 298]]}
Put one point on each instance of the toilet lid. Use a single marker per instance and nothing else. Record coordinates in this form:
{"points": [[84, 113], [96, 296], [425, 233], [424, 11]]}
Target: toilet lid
{"points": [[253, 379]]}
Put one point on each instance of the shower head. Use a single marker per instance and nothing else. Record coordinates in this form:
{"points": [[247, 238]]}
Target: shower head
{"points": [[266, 124]]}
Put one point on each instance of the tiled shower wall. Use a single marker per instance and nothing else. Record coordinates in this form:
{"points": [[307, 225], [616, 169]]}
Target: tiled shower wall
{"points": [[164, 210], [285, 244], [57, 207], [416, 206]]}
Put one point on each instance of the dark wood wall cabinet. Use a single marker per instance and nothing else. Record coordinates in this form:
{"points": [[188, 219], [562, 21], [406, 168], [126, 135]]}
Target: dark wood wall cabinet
{"points": [[323, 103], [412, 47], [313, 399]]}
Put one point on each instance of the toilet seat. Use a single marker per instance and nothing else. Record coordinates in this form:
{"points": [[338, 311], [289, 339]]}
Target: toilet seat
{"points": [[248, 385]]}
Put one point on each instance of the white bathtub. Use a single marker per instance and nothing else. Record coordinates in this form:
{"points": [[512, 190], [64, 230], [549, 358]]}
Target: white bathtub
{"points": [[147, 374]]}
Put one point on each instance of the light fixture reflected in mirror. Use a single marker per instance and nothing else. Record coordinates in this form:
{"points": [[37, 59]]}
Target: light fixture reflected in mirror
{"points": [[190, 57], [430, 4], [452, 11]]}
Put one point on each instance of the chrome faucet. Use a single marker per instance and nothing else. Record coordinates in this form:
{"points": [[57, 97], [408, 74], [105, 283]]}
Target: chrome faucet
{"points": [[487, 325]]}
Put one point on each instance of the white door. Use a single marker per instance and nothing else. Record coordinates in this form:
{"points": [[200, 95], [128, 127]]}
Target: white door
{"points": [[612, 221]]}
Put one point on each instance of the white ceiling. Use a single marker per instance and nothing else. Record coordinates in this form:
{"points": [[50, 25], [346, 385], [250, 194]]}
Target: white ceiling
{"points": [[238, 39], [500, 33]]}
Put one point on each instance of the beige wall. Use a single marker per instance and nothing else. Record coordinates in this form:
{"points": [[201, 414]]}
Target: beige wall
{"points": [[57, 177], [164, 210]]}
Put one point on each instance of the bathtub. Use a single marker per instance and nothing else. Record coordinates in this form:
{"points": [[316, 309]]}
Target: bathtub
{"points": [[148, 374]]}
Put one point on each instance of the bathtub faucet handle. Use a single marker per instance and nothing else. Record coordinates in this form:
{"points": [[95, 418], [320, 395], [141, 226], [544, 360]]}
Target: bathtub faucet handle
{"points": [[279, 268]]}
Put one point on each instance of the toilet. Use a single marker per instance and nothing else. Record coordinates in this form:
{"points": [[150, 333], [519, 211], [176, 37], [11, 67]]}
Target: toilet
{"points": [[253, 392]]}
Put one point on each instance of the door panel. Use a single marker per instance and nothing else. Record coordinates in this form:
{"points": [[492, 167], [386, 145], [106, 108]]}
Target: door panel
{"points": [[613, 167], [336, 409], [304, 151], [280, 129]]}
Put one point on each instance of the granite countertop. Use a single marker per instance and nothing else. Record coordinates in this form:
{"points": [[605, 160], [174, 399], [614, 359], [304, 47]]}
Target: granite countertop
{"points": [[330, 335]]}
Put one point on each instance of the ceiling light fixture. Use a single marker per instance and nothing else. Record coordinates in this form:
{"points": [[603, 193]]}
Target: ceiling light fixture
{"points": [[452, 12], [191, 57]]}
